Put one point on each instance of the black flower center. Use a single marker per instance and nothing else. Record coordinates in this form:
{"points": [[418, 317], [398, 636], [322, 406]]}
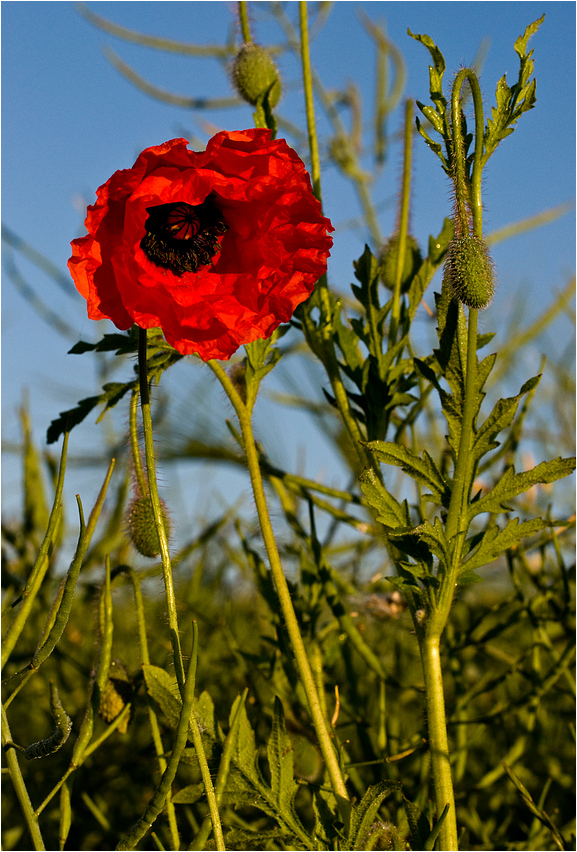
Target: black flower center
{"points": [[181, 237]]}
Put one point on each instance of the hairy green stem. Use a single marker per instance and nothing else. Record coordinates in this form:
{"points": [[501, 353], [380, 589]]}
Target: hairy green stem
{"points": [[468, 207], [152, 718], [244, 25], [20, 787], [329, 355], [157, 510], [307, 678], [403, 224]]}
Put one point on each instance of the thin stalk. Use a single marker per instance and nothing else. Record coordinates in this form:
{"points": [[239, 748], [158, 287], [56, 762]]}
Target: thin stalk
{"points": [[244, 25], [20, 787], [403, 225], [157, 510], [305, 671], [330, 359], [40, 566]]}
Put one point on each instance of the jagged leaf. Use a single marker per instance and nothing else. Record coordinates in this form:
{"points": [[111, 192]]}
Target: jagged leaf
{"points": [[512, 484], [500, 418], [280, 761], [423, 470], [390, 512], [364, 814], [496, 541], [112, 392]]}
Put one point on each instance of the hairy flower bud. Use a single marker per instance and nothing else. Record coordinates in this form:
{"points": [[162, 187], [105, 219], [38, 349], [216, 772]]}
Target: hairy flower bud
{"points": [[388, 261], [141, 526], [254, 74], [469, 271]]}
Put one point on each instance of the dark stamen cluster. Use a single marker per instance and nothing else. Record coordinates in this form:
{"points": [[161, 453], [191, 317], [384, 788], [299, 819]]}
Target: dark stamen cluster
{"points": [[182, 237]]}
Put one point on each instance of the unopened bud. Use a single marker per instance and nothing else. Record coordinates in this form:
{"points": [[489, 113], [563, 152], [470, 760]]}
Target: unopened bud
{"points": [[141, 526], [388, 261], [469, 271], [254, 74]]}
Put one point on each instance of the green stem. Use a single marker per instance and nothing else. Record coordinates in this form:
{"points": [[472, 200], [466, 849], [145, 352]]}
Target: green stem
{"points": [[157, 510], [468, 205], [40, 566], [243, 18], [135, 446], [319, 722], [329, 355], [438, 742], [20, 787], [403, 222]]}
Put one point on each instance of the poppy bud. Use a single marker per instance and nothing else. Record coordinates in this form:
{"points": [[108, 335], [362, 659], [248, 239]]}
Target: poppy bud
{"points": [[469, 271], [388, 262], [141, 526], [254, 74]]}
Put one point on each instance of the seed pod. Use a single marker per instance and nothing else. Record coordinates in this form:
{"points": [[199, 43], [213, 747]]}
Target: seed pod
{"points": [[469, 271], [60, 733], [254, 74], [388, 262], [141, 526]]}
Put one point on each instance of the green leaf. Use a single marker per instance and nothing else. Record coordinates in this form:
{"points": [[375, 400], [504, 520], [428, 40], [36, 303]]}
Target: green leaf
{"points": [[390, 512], [423, 470], [433, 535], [364, 814], [280, 761], [512, 484], [496, 541], [500, 418], [514, 101], [163, 688], [112, 393]]}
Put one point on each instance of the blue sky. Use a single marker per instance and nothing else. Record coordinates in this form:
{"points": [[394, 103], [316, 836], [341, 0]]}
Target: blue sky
{"points": [[70, 120]]}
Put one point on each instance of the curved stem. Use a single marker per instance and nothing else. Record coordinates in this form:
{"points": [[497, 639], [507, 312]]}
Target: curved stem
{"points": [[323, 735], [157, 510]]}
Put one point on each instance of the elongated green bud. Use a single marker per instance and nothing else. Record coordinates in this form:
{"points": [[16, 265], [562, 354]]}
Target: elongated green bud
{"points": [[254, 74], [469, 271], [141, 526], [388, 262]]}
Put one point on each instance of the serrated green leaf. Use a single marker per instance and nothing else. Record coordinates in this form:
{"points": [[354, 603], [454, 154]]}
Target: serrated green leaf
{"points": [[512, 484], [112, 393], [245, 755], [163, 688], [500, 418], [364, 814], [433, 535], [520, 45], [423, 470], [436, 54], [390, 512], [280, 760], [496, 541]]}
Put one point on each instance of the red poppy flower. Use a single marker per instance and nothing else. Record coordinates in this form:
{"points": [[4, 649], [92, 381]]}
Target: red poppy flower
{"points": [[216, 248]]}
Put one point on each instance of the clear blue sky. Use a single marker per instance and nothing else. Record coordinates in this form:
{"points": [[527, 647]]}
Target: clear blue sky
{"points": [[70, 120]]}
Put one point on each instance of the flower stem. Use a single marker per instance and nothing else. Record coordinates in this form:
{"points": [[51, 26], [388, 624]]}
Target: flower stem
{"points": [[244, 25], [157, 510], [303, 665]]}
